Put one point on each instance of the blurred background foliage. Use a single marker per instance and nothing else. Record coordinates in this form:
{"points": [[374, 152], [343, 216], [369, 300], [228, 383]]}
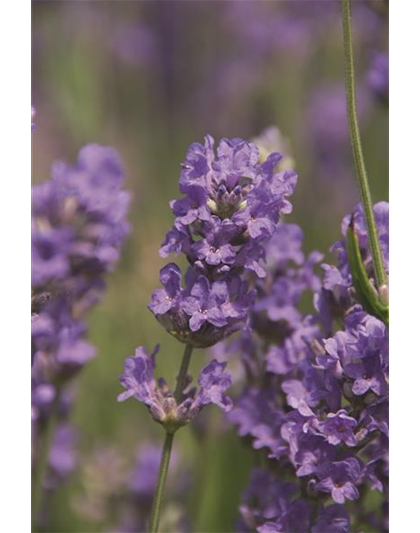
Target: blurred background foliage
{"points": [[149, 78]]}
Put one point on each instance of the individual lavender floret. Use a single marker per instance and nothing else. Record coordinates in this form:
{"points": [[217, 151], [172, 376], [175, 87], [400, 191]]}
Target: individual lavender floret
{"points": [[332, 519], [270, 506], [339, 427], [139, 382], [340, 479], [231, 208]]}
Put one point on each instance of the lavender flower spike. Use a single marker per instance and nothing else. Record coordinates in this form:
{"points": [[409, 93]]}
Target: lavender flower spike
{"points": [[232, 204]]}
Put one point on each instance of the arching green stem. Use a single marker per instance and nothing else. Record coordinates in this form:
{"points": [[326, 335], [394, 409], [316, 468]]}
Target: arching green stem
{"points": [[380, 274]]}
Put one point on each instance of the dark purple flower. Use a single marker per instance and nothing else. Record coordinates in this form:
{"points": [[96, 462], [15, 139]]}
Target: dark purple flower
{"points": [[78, 227], [339, 427], [378, 77], [368, 374], [340, 479], [213, 381], [216, 249], [312, 452], [204, 303], [138, 378], [203, 313], [191, 208], [163, 300], [332, 519]]}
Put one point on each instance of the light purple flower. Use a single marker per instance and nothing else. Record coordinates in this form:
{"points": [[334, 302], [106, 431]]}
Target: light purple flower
{"points": [[139, 381]]}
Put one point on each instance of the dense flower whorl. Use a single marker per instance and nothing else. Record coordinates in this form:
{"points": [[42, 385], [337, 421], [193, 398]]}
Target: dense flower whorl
{"points": [[273, 506], [231, 207], [316, 394], [139, 382], [79, 219], [378, 76], [78, 227], [202, 313]]}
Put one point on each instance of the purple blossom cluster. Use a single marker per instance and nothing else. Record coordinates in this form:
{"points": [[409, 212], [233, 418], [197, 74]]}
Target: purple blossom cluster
{"points": [[316, 398], [78, 228], [139, 382], [273, 506], [231, 207], [378, 76]]}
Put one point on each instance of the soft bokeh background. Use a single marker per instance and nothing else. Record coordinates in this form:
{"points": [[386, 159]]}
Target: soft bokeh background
{"points": [[149, 78]]}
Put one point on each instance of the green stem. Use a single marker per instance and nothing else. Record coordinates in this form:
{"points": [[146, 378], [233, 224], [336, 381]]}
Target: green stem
{"points": [[167, 444], [359, 163], [44, 453], [180, 380], [160, 487]]}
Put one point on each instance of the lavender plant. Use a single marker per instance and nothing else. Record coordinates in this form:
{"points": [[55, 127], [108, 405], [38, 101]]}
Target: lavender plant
{"points": [[316, 399], [230, 209], [315, 403], [78, 228]]}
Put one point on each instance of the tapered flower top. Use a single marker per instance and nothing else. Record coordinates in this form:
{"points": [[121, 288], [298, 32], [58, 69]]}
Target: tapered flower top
{"points": [[139, 382], [79, 218], [231, 207]]}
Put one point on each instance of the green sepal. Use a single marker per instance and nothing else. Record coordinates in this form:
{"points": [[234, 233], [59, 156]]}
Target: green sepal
{"points": [[365, 293]]}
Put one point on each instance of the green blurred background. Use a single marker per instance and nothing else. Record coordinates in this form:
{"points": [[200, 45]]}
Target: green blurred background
{"points": [[149, 78]]}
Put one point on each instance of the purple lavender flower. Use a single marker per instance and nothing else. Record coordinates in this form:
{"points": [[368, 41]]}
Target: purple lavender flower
{"points": [[378, 77], [368, 375], [163, 300], [231, 208], [340, 479], [78, 227], [310, 451], [202, 313], [268, 506], [315, 402], [139, 382], [332, 519], [339, 427]]}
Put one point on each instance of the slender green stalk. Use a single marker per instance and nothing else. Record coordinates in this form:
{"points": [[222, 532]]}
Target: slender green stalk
{"points": [[160, 486], [167, 444], [42, 460], [359, 163], [180, 380]]}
